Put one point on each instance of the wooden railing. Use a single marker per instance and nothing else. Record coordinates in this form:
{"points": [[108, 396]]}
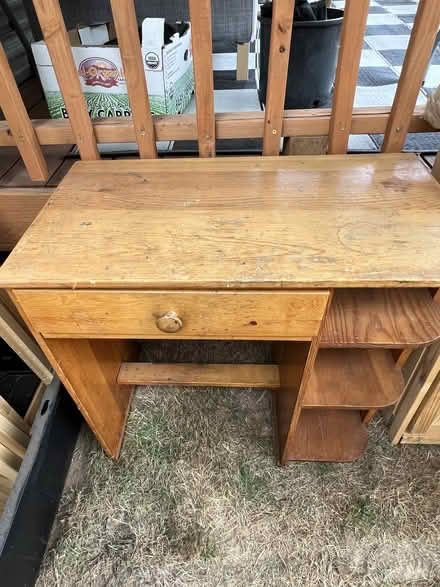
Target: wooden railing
{"points": [[338, 122]]}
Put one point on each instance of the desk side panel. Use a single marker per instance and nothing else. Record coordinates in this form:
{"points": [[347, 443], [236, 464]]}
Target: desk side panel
{"points": [[89, 370]]}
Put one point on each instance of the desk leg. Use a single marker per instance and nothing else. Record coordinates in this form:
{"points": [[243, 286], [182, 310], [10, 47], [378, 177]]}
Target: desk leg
{"points": [[295, 360], [89, 369]]}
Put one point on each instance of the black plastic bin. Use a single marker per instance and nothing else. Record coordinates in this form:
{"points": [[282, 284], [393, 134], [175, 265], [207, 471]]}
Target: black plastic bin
{"points": [[17, 382], [312, 62], [27, 519]]}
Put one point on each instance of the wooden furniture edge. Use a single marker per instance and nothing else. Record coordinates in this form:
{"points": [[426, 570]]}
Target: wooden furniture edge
{"points": [[419, 385], [19, 208], [23, 345], [110, 434], [411, 303], [241, 375]]}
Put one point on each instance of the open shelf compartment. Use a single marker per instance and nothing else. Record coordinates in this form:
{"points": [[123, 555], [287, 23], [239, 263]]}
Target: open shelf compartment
{"points": [[353, 379], [387, 318], [328, 436]]}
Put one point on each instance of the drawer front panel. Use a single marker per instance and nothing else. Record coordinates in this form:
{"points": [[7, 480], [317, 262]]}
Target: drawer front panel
{"points": [[292, 315]]}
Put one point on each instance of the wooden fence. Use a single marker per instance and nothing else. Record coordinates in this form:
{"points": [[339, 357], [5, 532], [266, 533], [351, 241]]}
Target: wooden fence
{"points": [[338, 122]]}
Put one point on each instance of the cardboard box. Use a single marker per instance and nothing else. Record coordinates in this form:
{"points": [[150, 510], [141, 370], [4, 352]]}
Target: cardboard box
{"points": [[168, 70]]}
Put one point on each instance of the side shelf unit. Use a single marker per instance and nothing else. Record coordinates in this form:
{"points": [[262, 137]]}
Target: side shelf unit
{"points": [[355, 372]]}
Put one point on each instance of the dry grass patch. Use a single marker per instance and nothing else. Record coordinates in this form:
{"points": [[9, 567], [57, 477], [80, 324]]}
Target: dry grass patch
{"points": [[197, 499]]}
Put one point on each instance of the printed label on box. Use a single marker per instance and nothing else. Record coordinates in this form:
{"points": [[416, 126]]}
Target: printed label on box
{"points": [[168, 71]]}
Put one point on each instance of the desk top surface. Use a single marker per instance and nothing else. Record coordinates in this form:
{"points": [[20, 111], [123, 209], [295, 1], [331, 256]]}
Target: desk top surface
{"points": [[249, 222]]}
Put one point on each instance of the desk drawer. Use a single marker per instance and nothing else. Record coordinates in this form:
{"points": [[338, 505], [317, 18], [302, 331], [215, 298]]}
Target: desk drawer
{"points": [[293, 315]]}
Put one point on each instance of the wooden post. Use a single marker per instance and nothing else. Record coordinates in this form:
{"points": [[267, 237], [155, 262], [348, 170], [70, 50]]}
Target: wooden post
{"points": [[60, 51], [124, 16], [243, 61], [14, 110], [414, 67], [200, 15], [355, 20], [280, 39]]}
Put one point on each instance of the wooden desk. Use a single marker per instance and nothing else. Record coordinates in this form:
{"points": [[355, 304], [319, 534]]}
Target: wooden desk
{"points": [[331, 257]]}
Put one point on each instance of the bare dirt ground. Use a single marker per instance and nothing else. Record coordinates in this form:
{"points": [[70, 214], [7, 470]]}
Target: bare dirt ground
{"points": [[198, 499]]}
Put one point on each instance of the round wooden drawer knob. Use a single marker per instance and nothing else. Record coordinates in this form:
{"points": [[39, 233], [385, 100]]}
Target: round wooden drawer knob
{"points": [[169, 322]]}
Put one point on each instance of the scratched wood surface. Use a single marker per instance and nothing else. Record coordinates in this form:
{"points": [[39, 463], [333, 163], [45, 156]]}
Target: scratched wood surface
{"points": [[251, 222]]}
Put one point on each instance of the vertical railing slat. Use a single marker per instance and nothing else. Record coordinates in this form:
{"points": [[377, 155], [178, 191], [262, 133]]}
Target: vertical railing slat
{"points": [[280, 38], [414, 67], [124, 16], [200, 16], [353, 31], [23, 132], [55, 34]]}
